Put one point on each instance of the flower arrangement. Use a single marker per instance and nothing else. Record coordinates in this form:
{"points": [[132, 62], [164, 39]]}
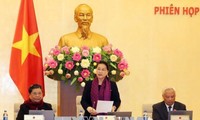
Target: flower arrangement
{"points": [[78, 65]]}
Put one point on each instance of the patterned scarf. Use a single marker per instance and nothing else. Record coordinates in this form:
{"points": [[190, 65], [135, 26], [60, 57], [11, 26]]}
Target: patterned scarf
{"points": [[34, 105], [103, 94]]}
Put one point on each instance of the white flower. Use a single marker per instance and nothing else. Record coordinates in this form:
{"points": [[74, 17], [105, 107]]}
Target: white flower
{"points": [[95, 71], [85, 63], [96, 50], [75, 49], [60, 57], [83, 84], [77, 64], [113, 58], [76, 72], [60, 71], [113, 72], [95, 64]]}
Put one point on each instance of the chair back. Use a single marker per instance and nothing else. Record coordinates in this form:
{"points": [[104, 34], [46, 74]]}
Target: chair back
{"points": [[148, 109], [78, 105]]}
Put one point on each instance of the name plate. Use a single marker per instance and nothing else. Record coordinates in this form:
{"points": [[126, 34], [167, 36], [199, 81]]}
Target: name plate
{"points": [[180, 117], [33, 117], [106, 117]]}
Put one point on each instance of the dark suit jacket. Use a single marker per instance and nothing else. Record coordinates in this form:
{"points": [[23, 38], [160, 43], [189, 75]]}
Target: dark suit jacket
{"points": [[86, 97], [160, 110], [24, 109]]}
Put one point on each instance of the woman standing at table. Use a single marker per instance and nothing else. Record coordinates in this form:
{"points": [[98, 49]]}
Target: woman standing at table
{"points": [[101, 88]]}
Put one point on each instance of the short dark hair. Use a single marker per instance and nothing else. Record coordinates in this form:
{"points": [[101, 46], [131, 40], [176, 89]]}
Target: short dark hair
{"points": [[34, 86], [105, 63]]}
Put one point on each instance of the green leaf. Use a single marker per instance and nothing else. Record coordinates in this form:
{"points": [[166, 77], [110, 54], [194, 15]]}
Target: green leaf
{"points": [[73, 81], [60, 66], [113, 65]]}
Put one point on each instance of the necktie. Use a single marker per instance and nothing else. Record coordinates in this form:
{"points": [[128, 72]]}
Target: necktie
{"points": [[169, 108]]}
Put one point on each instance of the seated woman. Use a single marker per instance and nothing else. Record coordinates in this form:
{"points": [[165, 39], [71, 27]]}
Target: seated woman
{"points": [[101, 88], [35, 102]]}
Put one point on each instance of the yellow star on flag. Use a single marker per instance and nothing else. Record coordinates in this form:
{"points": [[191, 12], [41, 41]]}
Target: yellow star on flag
{"points": [[26, 45]]}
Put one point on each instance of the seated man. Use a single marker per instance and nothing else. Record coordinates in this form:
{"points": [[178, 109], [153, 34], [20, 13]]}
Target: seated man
{"points": [[161, 109]]}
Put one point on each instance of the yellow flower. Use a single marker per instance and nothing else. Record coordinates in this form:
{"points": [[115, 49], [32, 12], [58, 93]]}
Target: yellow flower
{"points": [[113, 58], [60, 57], [82, 84], [95, 64], [77, 64], [60, 71], [76, 72], [95, 71], [85, 63], [113, 72], [96, 50], [75, 49]]}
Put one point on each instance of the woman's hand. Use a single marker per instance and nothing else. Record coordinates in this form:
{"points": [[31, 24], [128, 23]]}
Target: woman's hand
{"points": [[113, 108], [91, 110]]}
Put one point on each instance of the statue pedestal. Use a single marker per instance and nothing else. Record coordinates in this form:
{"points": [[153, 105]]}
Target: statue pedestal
{"points": [[67, 99]]}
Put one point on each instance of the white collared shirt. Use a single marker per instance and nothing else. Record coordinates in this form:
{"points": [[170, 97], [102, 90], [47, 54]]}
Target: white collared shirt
{"points": [[172, 106]]}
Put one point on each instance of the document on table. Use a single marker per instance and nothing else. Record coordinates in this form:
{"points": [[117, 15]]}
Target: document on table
{"points": [[104, 106]]}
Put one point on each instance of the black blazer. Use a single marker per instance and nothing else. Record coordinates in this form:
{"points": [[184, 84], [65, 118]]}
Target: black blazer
{"points": [[24, 109], [160, 110], [86, 97]]}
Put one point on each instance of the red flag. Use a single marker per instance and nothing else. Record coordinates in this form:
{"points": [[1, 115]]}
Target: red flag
{"points": [[26, 67]]}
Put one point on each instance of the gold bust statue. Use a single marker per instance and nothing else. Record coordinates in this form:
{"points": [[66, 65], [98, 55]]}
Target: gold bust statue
{"points": [[83, 36]]}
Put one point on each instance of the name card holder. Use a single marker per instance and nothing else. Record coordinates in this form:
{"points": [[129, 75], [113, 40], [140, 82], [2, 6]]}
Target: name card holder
{"points": [[33, 117], [180, 117]]}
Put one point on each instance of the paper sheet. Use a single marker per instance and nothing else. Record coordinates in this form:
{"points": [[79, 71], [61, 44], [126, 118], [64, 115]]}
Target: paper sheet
{"points": [[104, 106]]}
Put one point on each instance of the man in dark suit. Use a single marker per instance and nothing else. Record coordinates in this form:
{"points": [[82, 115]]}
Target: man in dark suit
{"points": [[161, 109]]}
